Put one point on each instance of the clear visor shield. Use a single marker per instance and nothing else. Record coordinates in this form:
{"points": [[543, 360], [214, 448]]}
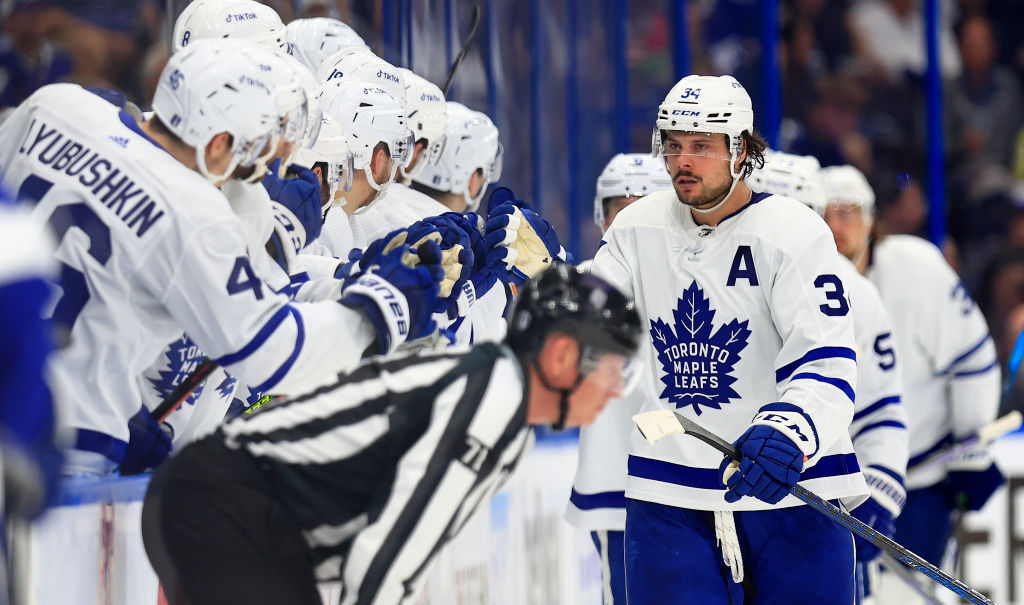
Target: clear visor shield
{"points": [[294, 124], [494, 168], [313, 122], [249, 152], [435, 150], [614, 371], [693, 144], [340, 173]]}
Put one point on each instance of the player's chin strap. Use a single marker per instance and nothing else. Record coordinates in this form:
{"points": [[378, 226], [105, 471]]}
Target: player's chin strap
{"points": [[563, 403]]}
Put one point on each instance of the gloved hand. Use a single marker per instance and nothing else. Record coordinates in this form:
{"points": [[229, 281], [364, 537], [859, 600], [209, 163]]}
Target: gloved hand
{"points": [[412, 236], [398, 299], [770, 467], [970, 487], [149, 443], [875, 515], [520, 243], [456, 296], [350, 269], [504, 195], [299, 195]]}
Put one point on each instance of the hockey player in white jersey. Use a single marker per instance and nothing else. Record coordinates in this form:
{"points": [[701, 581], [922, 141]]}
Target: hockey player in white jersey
{"points": [[879, 427], [313, 40], [597, 503], [367, 479], [151, 248], [947, 361], [750, 333]]}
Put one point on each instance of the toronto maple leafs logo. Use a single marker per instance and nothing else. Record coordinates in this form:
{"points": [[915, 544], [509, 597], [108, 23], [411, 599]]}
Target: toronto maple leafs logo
{"points": [[226, 388], [698, 364], [181, 358]]}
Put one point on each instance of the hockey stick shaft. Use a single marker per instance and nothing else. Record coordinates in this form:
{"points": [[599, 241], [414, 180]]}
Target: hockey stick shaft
{"points": [[898, 552], [184, 389], [985, 435], [900, 571], [463, 51]]}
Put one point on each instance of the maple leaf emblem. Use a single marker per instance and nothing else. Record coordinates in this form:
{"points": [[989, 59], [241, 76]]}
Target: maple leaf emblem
{"points": [[227, 387], [182, 357], [697, 359]]}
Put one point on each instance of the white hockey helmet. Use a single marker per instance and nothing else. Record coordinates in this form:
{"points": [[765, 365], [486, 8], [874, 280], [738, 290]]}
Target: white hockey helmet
{"points": [[243, 19], [629, 175], [845, 184], [795, 176], [313, 40], [711, 105], [471, 144], [282, 72], [311, 88], [356, 63], [368, 115], [428, 116], [331, 148], [214, 86]]}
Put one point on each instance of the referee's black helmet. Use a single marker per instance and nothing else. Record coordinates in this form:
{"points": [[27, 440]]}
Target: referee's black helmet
{"points": [[578, 304]]}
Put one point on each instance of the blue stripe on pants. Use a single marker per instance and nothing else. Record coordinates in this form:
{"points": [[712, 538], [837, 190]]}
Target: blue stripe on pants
{"points": [[611, 550]]}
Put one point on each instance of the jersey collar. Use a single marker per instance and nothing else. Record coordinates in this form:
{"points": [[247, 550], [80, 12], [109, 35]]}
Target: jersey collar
{"points": [[132, 125], [754, 198]]}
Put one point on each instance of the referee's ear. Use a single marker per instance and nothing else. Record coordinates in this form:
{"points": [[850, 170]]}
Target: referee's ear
{"points": [[559, 360]]}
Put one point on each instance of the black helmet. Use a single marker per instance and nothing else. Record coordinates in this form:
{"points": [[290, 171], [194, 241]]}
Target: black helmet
{"points": [[578, 304]]}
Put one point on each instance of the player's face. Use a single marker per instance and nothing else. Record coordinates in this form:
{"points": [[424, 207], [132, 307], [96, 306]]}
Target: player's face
{"points": [[849, 227], [613, 206], [603, 383], [699, 166]]}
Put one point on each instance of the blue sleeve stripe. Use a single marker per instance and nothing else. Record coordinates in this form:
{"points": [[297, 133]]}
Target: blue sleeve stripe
{"points": [[93, 441], [898, 478], [838, 383], [965, 355], [300, 277], [814, 355], [300, 340], [992, 366], [896, 424], [257, 341], [874, 407], [941, 443], [600, 500], [710, 478]]}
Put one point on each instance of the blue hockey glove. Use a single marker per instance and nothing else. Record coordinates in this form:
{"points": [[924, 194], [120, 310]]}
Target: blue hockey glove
{"points": [[504, 195], [149, 443], [770, 467], [398, 299], [520, 243], [457, 252], [872, 513], [349, 269], [299, 195], [971, 489]]}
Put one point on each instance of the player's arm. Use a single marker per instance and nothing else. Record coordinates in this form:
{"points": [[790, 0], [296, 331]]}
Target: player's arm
{"points": [[449, 472], [816, 368], [610, 262], [953, 333], [256, 334]]}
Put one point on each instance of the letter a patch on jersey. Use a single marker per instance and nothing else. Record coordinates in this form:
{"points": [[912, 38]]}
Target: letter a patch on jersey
{"points": [[698, 361]]}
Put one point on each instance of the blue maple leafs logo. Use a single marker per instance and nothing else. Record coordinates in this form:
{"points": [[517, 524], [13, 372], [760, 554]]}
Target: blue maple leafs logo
{"points": [[698, 364], [181, 358], [227, 387]]}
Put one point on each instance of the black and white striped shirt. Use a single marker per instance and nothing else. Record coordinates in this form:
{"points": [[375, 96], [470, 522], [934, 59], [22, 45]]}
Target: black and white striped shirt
{"points": [[385, 466]]}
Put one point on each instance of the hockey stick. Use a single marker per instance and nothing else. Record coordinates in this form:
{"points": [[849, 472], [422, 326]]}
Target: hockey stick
{"points": [[659, 423], [463, 52], [901, 572], [184, 389], [985, 435]]}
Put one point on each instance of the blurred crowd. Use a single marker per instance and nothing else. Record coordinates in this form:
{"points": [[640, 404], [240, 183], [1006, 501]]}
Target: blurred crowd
{"points": [[853, 92]]}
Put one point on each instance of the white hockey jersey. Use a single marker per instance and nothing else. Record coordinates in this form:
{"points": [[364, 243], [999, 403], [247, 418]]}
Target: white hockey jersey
{"points": [[748, 322], [947, 359], [150, 250]]}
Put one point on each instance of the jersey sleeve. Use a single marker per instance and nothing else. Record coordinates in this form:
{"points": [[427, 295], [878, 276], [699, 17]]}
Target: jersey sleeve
{"points": [[477, 434], [815, 370], [879, 427], [952, 332], [256, 334]]}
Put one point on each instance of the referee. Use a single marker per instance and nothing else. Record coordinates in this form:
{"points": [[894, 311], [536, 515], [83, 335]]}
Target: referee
{"points": [[364, 480]]}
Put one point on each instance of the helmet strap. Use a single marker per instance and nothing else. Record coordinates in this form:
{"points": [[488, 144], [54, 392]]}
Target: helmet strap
{"points": [[203, 170], [735, 174]]}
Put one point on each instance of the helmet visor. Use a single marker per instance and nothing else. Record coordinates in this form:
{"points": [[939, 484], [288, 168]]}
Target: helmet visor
{"points": [[340, 173], [693, 144], [402, 149], [620, 373], [249, 152], [494, 168]]}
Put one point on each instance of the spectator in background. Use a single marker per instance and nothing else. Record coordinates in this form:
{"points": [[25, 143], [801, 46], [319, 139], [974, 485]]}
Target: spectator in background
{"points": [[28, 59], [888, 36], [833, 132]]}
